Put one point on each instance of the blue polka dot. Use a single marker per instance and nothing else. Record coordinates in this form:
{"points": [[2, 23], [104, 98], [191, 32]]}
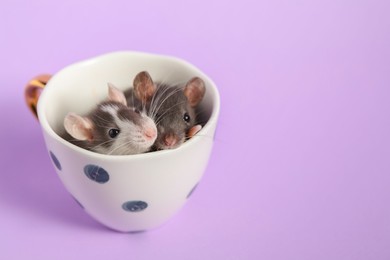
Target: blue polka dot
{"points": [[96, 173], [55, 161], [193, 189], [134, 206]]}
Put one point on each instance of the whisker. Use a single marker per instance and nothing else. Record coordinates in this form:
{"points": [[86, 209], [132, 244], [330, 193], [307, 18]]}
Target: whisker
{"points": [[120, 146], [177, 90], [101, 119], [158, 95], [168, 110], [99, 145]]}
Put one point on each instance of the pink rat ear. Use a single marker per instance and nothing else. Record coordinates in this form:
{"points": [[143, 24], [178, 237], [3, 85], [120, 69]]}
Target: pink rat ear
{"points": [[78, 127], [144, 87], [116, 95], [194, 91]]}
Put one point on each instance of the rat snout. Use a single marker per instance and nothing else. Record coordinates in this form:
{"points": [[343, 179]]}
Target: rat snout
{"points": [[150, 133], [170, 140]]}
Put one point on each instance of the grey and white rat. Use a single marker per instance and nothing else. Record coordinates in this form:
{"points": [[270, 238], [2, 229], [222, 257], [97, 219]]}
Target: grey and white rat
{"points": [[112, 127], [172, 107]]}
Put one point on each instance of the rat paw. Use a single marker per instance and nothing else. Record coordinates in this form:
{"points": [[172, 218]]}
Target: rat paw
{"points": [[193, 131]]}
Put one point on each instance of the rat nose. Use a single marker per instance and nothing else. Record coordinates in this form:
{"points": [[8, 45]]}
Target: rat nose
{"points": [[150, 133], [170, 140]]}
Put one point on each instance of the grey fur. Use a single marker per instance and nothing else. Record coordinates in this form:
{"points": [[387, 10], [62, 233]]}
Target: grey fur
{"points": [[125, 119], [167, 108]]}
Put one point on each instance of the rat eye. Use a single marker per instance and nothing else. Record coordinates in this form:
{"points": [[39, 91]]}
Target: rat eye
{"points": [[186, 117], [113, 132]]}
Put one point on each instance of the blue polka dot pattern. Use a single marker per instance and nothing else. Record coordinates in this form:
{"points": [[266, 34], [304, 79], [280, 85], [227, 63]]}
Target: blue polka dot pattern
{"points": [[55, 161], [96, 173], [193, 189], [134, 206]]}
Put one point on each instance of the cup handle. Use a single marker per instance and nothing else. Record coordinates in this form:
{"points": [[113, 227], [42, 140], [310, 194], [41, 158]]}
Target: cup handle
{"points": [[33, 90]]}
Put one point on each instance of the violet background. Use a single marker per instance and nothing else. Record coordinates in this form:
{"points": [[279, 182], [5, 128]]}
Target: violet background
{"points": [[300, 167]]}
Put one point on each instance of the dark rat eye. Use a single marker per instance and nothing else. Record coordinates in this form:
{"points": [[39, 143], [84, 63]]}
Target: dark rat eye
{"points": [[113, 132], [186, 117]]}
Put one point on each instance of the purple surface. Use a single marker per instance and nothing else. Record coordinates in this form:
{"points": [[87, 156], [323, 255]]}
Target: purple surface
{"points": [[300, 167]]}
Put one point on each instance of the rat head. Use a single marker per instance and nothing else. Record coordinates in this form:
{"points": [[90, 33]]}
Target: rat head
{"points": [[172, 107], [112, 127]]}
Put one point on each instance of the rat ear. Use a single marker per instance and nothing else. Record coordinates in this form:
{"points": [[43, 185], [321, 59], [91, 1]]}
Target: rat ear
{"points": [[194, 91], [144, 87], [78, 127], [116, 95]]}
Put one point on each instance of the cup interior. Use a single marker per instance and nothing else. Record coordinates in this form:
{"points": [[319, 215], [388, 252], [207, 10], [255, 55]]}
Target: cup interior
{"points": [[80, 86]]}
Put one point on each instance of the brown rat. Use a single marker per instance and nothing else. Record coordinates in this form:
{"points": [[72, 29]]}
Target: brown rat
{"points": [[112, 127], [172, 107]]}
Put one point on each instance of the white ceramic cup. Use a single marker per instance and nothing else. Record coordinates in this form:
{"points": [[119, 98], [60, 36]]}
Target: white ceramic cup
{"points": [[124, 192]]}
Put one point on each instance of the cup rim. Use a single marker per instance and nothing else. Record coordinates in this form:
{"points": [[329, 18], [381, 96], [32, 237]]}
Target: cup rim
{"points": [[212, 119]]}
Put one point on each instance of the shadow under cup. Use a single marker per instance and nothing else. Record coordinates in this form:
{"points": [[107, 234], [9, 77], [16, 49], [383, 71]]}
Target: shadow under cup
{"points": [[125, 192]]}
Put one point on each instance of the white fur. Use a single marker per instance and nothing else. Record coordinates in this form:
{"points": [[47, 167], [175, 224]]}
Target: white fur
{"points": [[131, 139]]}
